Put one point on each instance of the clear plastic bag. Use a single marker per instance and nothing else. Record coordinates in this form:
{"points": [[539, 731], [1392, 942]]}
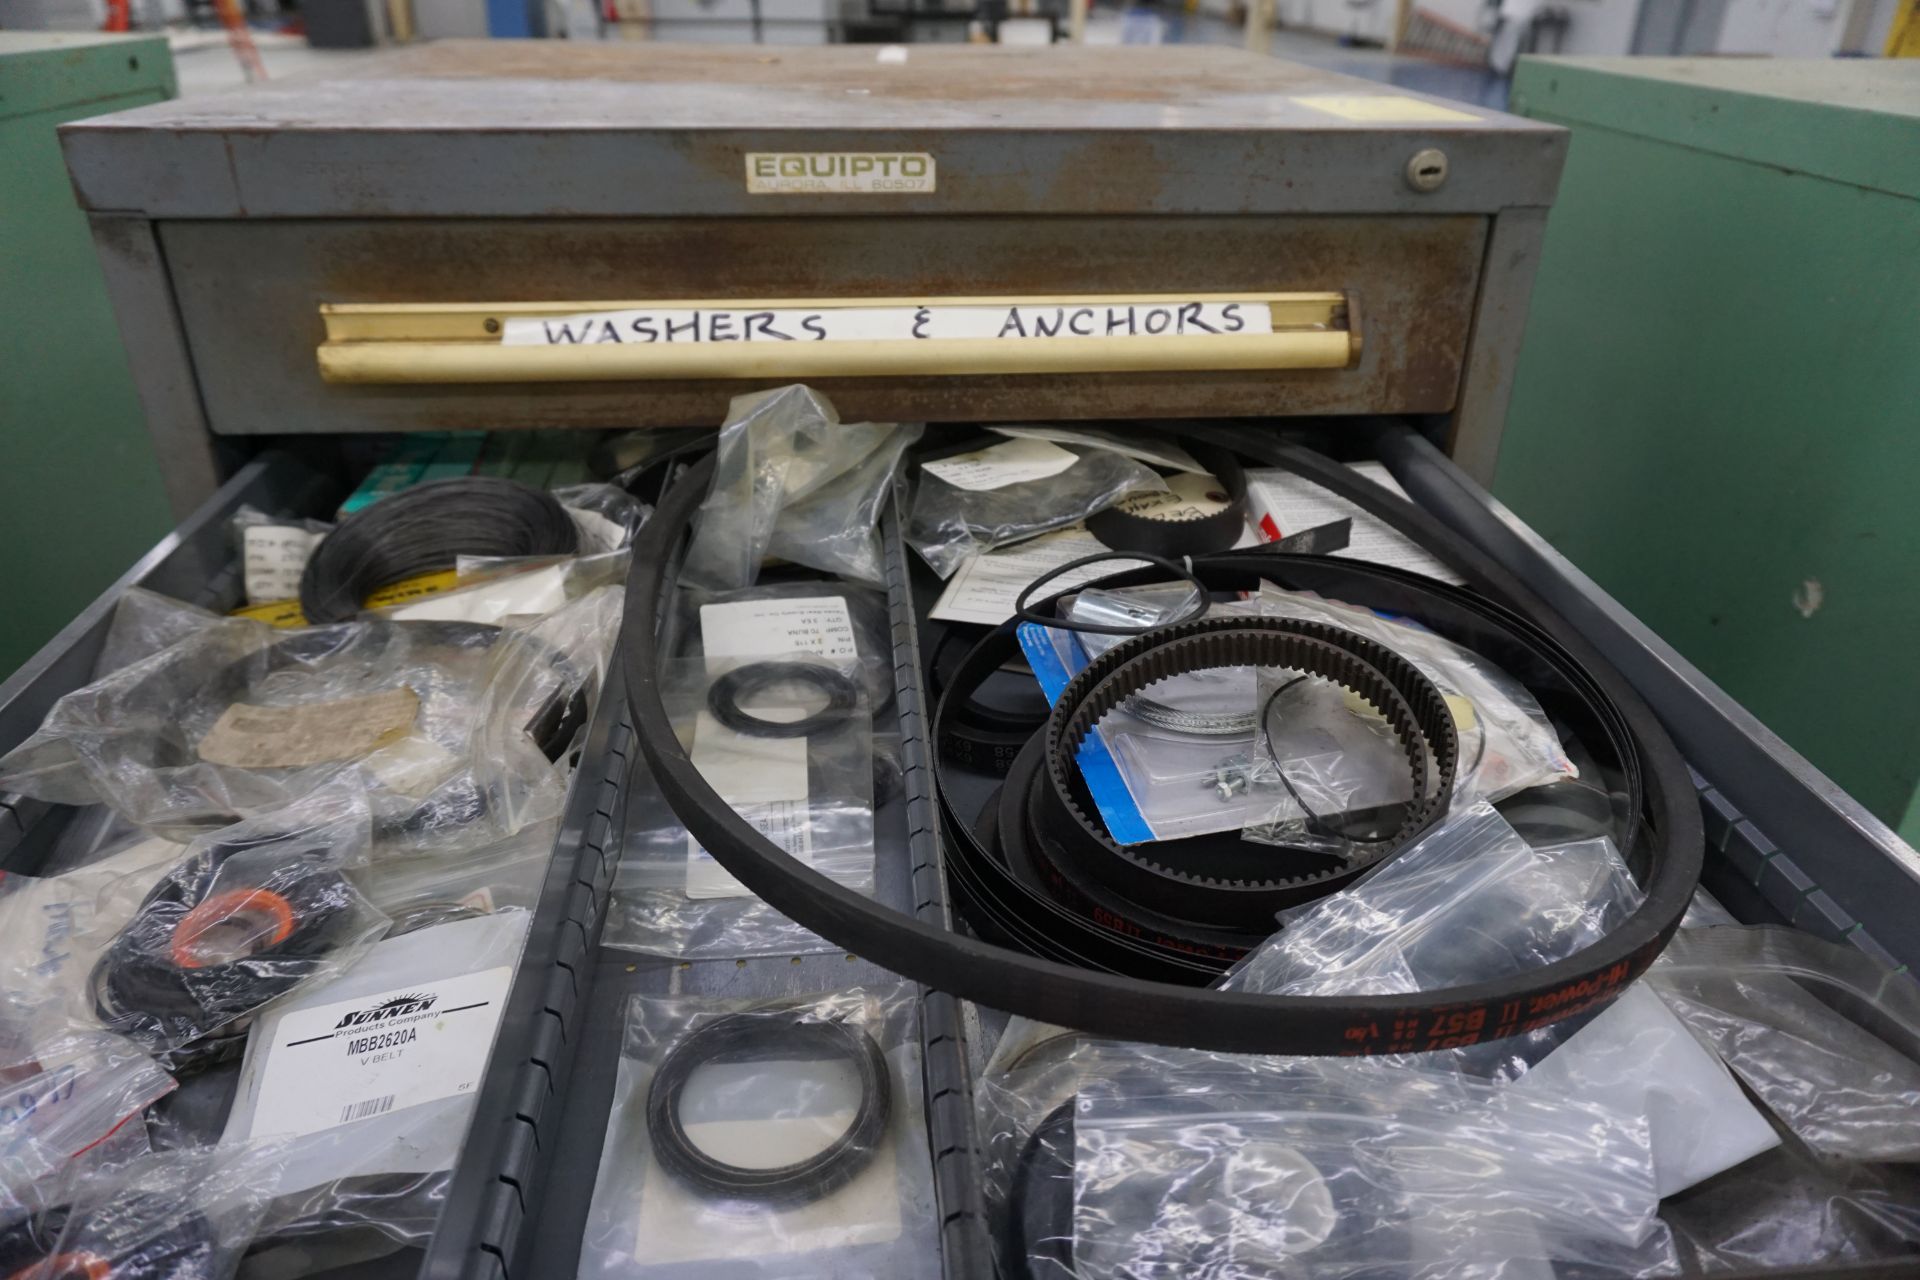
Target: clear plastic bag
{"points": [[1467, 902], [52, 930], [1333, 777], [416, 892], [870, 1214], [248, 916], [1507, 742], [183, 1215], [367, 1081], [810, 794], [835, 529], [554, 669], [607, 516], [1004, 493], [144, 623], [1637, 1058], [238, 718], [75, 1097], [1791, 1208], [1199, 1166], [1023, 1104], [777, 449], [1826, 1039]]}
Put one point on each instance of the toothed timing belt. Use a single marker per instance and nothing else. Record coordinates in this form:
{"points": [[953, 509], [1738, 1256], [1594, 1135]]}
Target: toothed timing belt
{"points": [[1237, 887]]}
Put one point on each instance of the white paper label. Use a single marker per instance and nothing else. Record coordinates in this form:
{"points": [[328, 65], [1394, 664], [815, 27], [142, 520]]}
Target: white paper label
{"points": [[1187, 497], [984, 587], [1281, 503], [1155, 453], [817, 625], [350, 1061], [274, 556], [786, 823], [997, 466], [1093, 318], [800, 173]]}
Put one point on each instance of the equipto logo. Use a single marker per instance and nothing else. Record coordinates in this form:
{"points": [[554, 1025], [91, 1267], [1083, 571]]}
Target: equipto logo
{"points": [[386, 1011]]}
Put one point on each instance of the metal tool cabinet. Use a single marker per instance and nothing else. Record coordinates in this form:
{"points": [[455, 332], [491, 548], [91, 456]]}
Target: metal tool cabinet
{"points": [[304, 260]]}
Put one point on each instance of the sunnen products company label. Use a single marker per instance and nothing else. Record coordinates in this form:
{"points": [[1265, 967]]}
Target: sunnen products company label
{"points": [[367, 1056]]}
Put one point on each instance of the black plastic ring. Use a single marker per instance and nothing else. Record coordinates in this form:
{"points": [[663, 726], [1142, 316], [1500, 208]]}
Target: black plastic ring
{"points": [[746, 1037], [727, 695]]}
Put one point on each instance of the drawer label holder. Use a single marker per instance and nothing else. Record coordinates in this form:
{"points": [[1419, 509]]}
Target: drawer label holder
{"points": [[835, 337]]}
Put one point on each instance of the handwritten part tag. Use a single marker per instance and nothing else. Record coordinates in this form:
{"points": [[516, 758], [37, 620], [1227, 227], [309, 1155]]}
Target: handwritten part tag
{"points": [[309, 733]]}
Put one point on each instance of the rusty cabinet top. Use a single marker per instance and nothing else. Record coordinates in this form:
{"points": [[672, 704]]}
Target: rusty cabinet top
{"points": [[560, 129]]}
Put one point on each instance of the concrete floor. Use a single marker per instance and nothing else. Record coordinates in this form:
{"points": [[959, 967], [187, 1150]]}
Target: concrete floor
{"points": [[207, 65]]}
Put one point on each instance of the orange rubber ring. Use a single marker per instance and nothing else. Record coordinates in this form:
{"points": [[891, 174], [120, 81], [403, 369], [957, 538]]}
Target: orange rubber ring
{"points": [[91, 1265], [223, 906]]}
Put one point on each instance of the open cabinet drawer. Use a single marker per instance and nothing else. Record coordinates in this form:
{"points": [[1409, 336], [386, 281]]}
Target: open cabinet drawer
{"points": [[1835, 873], [198, 564]]}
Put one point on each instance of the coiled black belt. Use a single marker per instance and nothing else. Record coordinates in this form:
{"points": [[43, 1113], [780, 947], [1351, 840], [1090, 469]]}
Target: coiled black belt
{"points": [[1123, 530], [166, 979], [1227, 881], [747, 1036], [1040, 985]]}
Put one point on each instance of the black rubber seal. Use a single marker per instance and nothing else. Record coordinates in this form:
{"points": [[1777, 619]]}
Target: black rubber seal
{"points": [[1162, 1013], [746, 1037], [1038, 1244], [727, 696], [1122, 530]]}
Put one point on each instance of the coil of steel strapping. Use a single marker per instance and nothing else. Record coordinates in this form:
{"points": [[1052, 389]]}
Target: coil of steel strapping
{"points": [[426, 528]]}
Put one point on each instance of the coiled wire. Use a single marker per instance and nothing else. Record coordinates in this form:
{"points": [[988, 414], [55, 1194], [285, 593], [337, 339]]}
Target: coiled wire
{"points": [[427, 528]]}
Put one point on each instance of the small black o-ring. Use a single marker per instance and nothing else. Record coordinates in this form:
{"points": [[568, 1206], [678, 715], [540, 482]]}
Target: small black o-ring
{"points": [[746, 1037], [727, 695]]}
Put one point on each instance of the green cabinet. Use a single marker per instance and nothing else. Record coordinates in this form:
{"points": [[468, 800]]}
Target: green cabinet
{"points": [[80, 495], [1717, 408]]}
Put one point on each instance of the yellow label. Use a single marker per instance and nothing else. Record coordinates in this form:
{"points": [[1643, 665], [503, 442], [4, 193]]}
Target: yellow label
{"points": [[1382, 108], [286, 613], [275, 613]]}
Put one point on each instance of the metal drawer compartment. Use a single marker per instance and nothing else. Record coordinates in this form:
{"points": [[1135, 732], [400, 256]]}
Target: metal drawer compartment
{"points": [[1839, 875], [198, 564]]}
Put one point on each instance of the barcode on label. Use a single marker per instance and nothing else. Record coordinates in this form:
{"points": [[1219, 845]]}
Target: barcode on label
{"points": [[371, 1107]]}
